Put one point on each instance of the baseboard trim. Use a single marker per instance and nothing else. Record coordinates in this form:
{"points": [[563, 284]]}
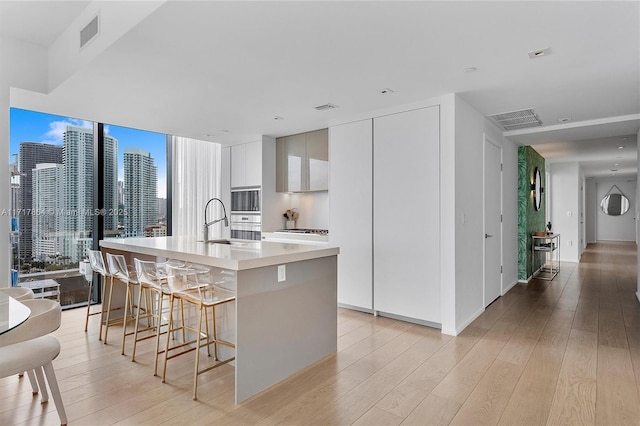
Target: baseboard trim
{"points": [[355, 308], [506, 290], [459, 329]]}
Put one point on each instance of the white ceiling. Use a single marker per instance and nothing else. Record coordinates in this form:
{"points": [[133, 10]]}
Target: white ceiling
{"points": [[226, 69]]}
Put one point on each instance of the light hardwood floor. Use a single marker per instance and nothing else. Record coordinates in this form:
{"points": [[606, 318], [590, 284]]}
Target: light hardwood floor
{"points": [[559, 352]]}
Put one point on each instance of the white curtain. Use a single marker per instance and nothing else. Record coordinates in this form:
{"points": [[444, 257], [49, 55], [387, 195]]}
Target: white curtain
{"points": [[196, 171]]}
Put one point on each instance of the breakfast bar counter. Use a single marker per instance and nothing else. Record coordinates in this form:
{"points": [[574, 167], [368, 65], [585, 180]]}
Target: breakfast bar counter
{"points": [[286, 300]]}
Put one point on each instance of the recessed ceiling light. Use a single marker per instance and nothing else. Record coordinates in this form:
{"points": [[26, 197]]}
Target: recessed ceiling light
{"points": [[277, 117], [621, 146], [565, 120], [538, 53], [616, 164], [385, 91], [625, 138], [470, 69]]}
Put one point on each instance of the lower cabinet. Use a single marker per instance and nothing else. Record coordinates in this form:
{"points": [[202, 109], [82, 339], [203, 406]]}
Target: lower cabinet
{"points": [[384, 194]]}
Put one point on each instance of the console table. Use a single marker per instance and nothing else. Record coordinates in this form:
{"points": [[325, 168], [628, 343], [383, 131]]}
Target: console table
{"points": [[550, 245]]}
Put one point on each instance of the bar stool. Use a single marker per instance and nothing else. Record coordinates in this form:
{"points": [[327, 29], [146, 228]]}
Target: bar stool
{"points": [[97, 266], [185, 287], [120, 271], [153, 283]]}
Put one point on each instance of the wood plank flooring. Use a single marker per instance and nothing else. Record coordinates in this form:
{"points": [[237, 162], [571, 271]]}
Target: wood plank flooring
{"points": [[559, 352]]}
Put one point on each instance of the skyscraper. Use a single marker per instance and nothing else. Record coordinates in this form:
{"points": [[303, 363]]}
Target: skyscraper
{"points": [[31, 154], [141, 190], [79, 208], [48, 196]]}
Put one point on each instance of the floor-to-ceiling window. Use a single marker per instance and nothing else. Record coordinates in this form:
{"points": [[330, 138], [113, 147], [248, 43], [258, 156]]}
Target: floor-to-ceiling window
{"points": [[60, 209]]}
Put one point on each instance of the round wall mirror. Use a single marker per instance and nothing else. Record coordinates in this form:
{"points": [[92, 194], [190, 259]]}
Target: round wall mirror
{"points": [[614, 204], [537, 189]]}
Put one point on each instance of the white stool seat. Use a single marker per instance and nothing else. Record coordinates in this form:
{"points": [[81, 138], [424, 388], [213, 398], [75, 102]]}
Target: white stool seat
{"points": [[35, 354], [28, 355], [18, 293]]}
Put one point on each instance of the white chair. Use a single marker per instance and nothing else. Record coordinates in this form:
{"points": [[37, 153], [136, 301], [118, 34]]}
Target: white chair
{"points": [[18, 293], [44, 318], [21, 294], [185, 287], [35, 354]]}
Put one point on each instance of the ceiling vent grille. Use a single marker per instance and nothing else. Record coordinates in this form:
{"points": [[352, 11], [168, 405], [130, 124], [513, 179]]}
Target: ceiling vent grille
{"points": [[326, 107], [89, 32], [517, 119]]}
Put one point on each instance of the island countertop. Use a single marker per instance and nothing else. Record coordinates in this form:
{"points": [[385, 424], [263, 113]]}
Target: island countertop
{"points": [[237, 256]]}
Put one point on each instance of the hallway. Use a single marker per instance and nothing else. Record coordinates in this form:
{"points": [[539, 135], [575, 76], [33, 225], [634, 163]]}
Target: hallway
{"points": [[559, 352]]}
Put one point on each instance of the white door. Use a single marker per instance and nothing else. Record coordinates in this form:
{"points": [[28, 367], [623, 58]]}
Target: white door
{"points": [[492, 222]]}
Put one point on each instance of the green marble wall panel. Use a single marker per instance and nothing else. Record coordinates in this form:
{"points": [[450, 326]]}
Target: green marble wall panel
{"points": [[530, 220]]}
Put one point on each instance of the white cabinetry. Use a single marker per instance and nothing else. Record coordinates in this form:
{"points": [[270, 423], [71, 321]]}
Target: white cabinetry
{"points": [[350, 219], [406, 182], [385, 216], [246, 164]]}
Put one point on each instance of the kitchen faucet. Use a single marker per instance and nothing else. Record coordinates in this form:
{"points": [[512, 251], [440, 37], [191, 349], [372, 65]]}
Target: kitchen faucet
{"points": [[207, 224]]}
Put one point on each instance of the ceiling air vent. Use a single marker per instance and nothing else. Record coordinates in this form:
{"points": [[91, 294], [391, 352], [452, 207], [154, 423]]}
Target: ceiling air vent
{"points": [[517, 119], [326, 107], [89, 32]]}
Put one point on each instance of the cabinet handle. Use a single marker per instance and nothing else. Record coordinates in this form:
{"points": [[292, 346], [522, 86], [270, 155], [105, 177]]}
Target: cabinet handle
{"points": [[488, 235]]}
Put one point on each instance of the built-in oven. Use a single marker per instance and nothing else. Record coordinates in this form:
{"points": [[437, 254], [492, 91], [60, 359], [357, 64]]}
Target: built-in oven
{"points": [[245, 200], [245, 226]]}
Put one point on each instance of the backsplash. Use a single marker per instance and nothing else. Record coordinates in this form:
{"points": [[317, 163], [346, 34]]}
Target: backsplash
{"points": [[313, 209]]}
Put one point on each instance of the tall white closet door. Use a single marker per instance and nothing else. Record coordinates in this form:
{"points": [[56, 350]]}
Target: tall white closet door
{"points": [[406, 212], [350, 200]]}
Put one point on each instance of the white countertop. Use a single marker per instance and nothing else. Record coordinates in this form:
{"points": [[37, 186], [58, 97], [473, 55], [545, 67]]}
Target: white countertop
{"points": [[239, 255], [284, 237]]}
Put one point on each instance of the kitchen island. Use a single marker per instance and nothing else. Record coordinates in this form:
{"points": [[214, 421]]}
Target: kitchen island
{"points": [[286, 300]]}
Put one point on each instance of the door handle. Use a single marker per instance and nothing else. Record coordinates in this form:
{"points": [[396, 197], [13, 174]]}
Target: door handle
{"points": [[488, 235]]}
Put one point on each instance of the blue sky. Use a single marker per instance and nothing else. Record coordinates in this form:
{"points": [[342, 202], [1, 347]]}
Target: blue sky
{"points": [[31, 126]]}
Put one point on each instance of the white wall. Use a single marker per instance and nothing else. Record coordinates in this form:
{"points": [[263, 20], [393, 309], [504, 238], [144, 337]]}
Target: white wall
{"points": [[637, 207], [470, 128], [565, 208], [24, 66], [590, 212], [614, 228]]}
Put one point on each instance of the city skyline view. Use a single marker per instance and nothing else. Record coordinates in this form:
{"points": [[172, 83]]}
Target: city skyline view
{"points": [[33, 126]]}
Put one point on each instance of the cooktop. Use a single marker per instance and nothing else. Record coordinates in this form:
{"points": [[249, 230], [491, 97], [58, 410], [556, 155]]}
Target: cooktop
{"points": [[304, 231]]}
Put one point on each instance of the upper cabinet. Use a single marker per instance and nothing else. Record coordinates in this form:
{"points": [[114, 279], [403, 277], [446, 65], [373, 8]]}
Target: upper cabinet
{"points": [[246, 165], [302, 162]]}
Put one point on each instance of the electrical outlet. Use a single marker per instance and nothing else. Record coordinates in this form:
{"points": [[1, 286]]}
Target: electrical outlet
{"points": [[569, 243], [282, 273], [569, 214]]}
